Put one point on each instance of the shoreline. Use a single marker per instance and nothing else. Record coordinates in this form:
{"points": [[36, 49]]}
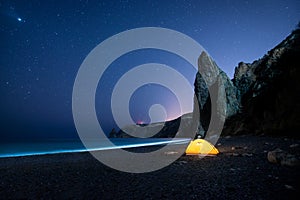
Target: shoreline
{"points": [[127, 143]]}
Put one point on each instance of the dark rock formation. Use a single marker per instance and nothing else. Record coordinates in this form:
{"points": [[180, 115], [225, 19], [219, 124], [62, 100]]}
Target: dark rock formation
{"points": [[206, 77], [113, 134], [243, 78], [269, 92]]}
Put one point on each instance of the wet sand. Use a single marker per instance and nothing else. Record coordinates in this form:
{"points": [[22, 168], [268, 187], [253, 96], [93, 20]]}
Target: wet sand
{"points": [[240, 171]]}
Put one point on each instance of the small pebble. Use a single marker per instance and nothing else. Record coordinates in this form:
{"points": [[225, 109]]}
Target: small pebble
{"points": [[171, 152], [247, 154], [294, 145], [182, 162], [289, 187], [234, 148]]}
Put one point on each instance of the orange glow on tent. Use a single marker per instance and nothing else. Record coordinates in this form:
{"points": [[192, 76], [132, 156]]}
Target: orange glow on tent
{"points": [[200, 146]]}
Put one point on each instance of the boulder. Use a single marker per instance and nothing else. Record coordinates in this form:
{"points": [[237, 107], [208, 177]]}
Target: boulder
{"points": [[283, 158]]}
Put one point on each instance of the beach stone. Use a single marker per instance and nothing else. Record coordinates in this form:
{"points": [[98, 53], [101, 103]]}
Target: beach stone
{"points": [[273, 156], [283, 158], [289, 187], [171, 152], [294, 145], [182, 162], [290, 160], [234, 148], [247, 154]]}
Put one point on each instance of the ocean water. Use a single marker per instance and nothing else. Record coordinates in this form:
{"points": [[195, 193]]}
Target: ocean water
{"points": [[15, 149]]}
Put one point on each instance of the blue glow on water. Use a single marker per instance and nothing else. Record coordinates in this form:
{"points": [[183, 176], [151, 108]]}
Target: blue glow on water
{"points": [[52, 147]]}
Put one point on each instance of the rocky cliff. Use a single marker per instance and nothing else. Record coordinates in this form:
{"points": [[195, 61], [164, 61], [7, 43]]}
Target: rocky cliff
{"points": [[269, 92]]}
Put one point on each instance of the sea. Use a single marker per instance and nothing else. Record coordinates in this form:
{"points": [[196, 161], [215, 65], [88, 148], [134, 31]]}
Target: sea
{"points": [[43, 147]]}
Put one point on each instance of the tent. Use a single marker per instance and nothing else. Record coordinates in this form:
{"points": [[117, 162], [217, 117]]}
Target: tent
{"points": [[201, 146]]}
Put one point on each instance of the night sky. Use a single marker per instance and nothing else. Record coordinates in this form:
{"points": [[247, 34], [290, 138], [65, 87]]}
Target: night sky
{"points": [[43, 43]]}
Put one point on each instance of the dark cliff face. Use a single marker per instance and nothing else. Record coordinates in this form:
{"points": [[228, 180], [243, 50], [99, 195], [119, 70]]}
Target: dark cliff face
{"points": [[243, 78], [269, 92]]}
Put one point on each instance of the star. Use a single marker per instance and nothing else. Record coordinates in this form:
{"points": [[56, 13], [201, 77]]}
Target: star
{"points": [[20, 20]]}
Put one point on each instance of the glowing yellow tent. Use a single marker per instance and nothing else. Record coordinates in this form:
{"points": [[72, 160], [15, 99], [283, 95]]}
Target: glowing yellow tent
{"points": [[200, 146]]}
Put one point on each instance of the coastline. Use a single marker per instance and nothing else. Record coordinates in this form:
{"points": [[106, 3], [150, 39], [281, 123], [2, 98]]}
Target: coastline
{"points": [[240, 171]]}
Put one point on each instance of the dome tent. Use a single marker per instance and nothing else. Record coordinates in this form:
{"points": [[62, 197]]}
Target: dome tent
{"points": [[201, 146]]}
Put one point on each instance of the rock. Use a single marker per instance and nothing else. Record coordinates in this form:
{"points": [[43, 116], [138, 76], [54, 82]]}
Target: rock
{"points": [[182, 162], [171, 152], [113, 134], [283, 158], [294, 145], [211, 76], [244, 77], [235, 148], [289, 187], [268, 92], [290, 160], [247, 154], [273, 156]]}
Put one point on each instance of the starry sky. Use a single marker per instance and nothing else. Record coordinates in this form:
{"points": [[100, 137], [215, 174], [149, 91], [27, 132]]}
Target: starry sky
{"points": [[43, 43]]}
